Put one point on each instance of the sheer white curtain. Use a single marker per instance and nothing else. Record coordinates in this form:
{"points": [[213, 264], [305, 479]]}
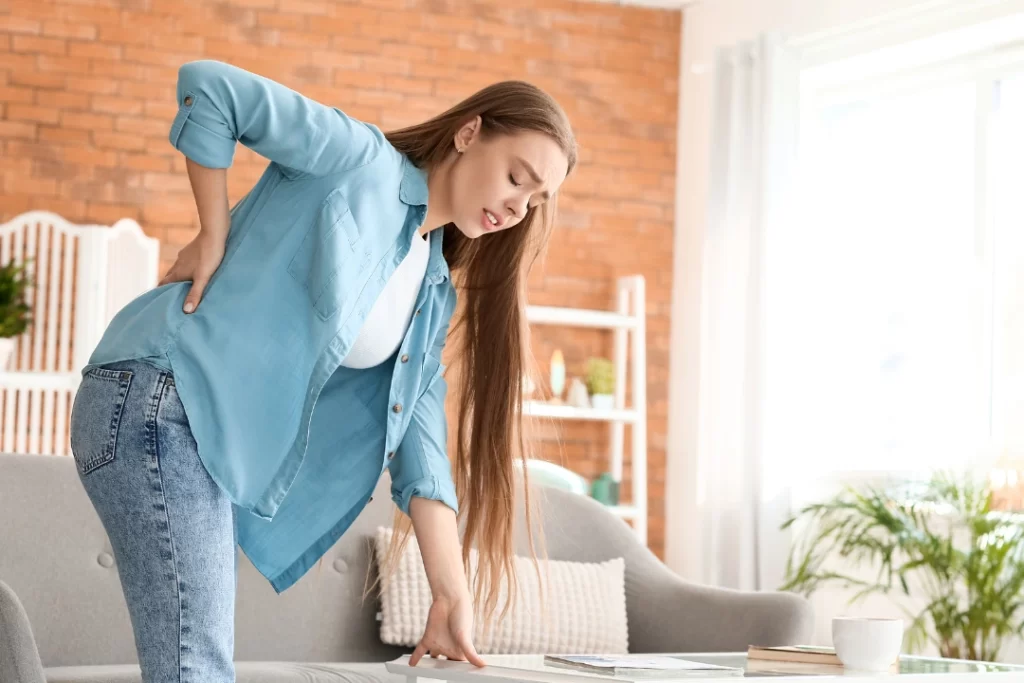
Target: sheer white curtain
{"points": [[740, 501]]}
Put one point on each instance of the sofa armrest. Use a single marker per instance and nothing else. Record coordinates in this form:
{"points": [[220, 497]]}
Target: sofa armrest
{"points": [[19, 658], [668, 614]]}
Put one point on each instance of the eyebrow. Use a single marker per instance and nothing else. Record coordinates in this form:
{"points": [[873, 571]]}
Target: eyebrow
{"points": [[533, 174]]}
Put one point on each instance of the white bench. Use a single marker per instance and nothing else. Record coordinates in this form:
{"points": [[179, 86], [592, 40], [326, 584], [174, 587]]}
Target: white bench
{"points": [[83, 275]]}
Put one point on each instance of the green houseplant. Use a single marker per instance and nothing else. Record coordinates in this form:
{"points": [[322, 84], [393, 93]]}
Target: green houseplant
{"points": [[941, 537], [15, 314], [601, 382]]}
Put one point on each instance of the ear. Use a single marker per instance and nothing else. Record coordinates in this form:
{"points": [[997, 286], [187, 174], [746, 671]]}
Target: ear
{"points": [[467, 133]]}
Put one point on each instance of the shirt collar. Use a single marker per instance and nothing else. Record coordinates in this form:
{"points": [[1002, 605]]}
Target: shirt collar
{"points": [[413, 190]]}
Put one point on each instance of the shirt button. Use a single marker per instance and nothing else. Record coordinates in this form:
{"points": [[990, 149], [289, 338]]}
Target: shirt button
{"points": [[405, 358], [397, 407], [391, 455], [188, 101], [417, 311]]}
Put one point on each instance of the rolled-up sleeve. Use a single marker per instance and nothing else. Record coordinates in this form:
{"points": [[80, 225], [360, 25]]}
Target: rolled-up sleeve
{"points": [[220, 105], [421, 467]]}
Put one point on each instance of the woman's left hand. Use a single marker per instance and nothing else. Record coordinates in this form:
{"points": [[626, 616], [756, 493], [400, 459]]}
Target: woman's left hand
{"points": [[449, 632]]}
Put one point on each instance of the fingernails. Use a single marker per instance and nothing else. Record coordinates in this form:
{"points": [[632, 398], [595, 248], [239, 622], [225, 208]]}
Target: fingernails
{"points": [[189, 307]]}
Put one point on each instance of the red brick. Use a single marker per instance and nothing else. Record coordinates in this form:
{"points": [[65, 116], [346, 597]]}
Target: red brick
{"points": [[141, 126], [110, 104], [84, 14], [36, 45], [89, 156], [68, 66], [335, 59], [359, 79], [282, 20], [108, 214], [148, 91], [145, 56], [18, 129], [144, 162], [117, 70], [10, 23], [13, 93], [32, 113], [119, 35], [57, 99], [87, 121], [61, 29], [64, 135], [95, 50], [37, 187], [414, 86], [122, 141], [94, 85]]}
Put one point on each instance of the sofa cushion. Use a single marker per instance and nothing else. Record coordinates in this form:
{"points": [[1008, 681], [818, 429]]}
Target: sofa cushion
{"points": [[245, 672], [580, 609]]}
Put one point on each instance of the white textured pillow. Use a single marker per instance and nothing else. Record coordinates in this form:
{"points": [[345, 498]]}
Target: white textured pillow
{"points": [[584, 608]]}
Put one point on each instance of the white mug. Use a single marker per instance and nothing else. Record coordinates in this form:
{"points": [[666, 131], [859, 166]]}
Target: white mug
{"points": [[866, 644]]}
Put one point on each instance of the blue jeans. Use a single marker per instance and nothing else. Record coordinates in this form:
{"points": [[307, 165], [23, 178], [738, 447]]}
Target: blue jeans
{"points": [[171, 527]]}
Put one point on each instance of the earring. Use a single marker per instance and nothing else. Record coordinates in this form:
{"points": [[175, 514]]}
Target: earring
{"points": [[460, 150]]}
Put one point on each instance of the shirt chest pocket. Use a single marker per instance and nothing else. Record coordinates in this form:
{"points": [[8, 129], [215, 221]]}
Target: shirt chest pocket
{"points": [[330, 249]]}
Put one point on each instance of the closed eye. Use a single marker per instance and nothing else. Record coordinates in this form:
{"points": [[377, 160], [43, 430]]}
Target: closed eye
{"points": [[512, 179]]}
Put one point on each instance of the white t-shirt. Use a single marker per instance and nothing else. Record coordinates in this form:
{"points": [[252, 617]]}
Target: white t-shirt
{"points": [[386, 323]]}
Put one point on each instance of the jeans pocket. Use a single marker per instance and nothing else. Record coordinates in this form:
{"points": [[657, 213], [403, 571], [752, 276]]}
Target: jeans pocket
{"points": [[96, 417]]}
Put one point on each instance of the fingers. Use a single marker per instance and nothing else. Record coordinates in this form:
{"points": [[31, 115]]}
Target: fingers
{"points": [[465, 644], [194, 295], [417, 654]]}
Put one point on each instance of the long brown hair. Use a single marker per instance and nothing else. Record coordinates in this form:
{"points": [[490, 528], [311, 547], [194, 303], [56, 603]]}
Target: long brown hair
{"points": [[491, 350]]}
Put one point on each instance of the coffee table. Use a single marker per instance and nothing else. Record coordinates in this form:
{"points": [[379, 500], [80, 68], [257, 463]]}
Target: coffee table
{"points": [[532, 669]]}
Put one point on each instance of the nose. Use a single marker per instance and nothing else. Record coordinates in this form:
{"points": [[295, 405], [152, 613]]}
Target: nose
{"points": [[517, 208]]}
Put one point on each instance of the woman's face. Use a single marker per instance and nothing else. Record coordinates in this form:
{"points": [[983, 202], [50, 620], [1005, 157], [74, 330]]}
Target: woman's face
{"points": [[496, 180]]}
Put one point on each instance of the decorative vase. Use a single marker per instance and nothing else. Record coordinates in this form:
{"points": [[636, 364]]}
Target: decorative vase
{"points": [[605, 489], [557, 375], [6, 351], [578, 397], [602, 401]]}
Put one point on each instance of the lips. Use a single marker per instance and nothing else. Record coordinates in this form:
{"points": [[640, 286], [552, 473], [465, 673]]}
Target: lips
{"points": [[485, 222]]}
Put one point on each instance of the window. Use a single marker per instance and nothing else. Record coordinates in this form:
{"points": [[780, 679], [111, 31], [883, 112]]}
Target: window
{"points": [[895, 339]]}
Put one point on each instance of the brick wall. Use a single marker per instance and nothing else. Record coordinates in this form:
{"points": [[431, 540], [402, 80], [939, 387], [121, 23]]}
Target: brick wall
{"points": [[87, 96]]}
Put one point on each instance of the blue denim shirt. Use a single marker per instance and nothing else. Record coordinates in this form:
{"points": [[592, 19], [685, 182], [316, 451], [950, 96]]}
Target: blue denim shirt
{"points": [[296, 440]]}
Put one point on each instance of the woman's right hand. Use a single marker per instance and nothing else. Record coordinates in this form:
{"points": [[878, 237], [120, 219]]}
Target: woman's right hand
{"points": [[197, 262]]}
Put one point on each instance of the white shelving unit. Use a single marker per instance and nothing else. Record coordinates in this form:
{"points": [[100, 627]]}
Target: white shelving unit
{"points": [[627, 322]]}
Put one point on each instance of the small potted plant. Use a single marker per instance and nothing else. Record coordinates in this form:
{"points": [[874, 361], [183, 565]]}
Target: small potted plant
{"points": [[601, 383], [15, 315]]}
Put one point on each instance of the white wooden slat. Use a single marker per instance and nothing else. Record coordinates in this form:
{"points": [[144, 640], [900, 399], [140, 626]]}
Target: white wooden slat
{"points": [[8, 442], [20, 420], [82, 275], [42, 288], [53, 305], [61, 426], [18, 257], [47, 399], [30, 296], [64, 349]]}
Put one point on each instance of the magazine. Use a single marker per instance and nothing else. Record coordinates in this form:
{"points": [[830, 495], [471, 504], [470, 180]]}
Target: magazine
{"points": [[640, 666]]}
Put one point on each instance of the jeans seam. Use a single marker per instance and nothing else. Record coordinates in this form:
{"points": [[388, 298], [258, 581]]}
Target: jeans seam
{"points": [[154, 453]]}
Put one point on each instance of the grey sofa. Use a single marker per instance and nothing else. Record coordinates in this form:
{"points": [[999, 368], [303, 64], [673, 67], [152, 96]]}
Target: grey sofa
{"points": [[62, 586]]}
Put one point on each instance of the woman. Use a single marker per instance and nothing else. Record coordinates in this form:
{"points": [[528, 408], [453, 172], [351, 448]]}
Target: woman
{"points": [[293, 352]]}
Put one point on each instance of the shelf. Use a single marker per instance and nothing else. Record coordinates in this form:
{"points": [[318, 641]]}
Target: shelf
{"points": [[46, 381], [624, 511], [579, 317], [564, 411]]}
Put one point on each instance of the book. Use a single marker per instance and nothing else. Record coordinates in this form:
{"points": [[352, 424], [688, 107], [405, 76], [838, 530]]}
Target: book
{"points": [[640, 666], [805, 654]]}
